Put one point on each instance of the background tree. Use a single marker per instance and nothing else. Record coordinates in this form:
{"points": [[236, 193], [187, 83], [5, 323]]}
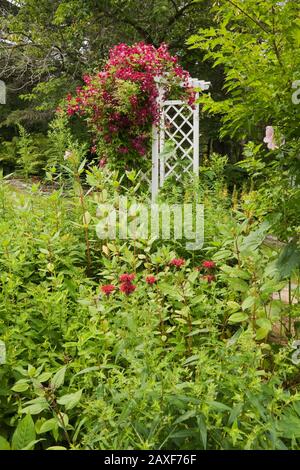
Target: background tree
{"points": [[47, 46], [257, 44]]}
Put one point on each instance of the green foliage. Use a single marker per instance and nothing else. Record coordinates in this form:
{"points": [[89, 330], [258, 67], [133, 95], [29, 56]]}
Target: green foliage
{"points": [[8, 153], [49, 45], [180, 364], [257, 45], [24, 435], [30, 160], [26, 153], [205, 357]]}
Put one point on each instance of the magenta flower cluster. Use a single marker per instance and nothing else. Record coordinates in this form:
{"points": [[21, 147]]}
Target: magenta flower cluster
{"points": [[120, 118]]}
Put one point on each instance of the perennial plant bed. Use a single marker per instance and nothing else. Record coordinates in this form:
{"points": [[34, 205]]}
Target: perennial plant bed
{"points": [[155, 347]]}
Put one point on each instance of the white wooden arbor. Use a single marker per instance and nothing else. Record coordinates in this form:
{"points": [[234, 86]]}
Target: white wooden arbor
{"points": [[179, 127], [2, 92]]}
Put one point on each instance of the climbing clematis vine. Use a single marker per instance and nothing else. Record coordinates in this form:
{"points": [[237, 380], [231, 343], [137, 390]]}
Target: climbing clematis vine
{"points": [[119, 103]]}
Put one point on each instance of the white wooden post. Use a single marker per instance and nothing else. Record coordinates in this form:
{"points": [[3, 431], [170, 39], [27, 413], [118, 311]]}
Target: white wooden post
{"points": [[2, 92], [161, 148], [154, 179], [196, 135]]}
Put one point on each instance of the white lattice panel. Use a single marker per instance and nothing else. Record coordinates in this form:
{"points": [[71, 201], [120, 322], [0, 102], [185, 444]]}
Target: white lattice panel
{"points": [[178, 130], [175, 147]]}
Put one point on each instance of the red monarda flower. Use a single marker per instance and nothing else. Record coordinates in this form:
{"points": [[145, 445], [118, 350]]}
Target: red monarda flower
{"points": [[127, 288], [126, 277], [209, 278], [150, 280], [177, 262], [208, 264], [107, 289]]}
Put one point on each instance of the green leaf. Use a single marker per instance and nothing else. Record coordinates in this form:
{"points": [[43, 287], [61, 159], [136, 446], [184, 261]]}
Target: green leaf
{"points": [[44, 377], [222, 254], [86, 218], [198, 299], [170, 291], [289, 427], [198, 331], [296, 406], [203, 430], [4, 444], [236, 410], [248, 302], [31, 371], [238, 284], [20, 386], [234, 306], [44, 251], [81, 167], [193, 276], [59, 378], [255, 238], [70, 400], [56, 448], [48, 425], [191, 360], [36, 406], [264, 323], [289, 260], [24, 434], [238, 317], [183, 433], [234, 338], [88, 369], [219, 406], [31, 444], [189, 414], [265, 328]]}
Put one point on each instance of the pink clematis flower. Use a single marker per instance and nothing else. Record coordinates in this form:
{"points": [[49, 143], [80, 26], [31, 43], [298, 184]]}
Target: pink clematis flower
{"points": [[270, 138]]}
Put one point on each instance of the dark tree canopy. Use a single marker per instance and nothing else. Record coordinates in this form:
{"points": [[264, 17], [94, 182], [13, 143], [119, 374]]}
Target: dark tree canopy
{"points": [[47, 45]]}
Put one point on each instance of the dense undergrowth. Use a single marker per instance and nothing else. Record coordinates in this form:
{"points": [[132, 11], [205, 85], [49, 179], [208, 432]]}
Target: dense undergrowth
{"points": [[198, 355]]}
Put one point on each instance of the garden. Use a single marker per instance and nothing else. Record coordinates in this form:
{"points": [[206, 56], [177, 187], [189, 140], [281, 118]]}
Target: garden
{"points": [[117, 334]]}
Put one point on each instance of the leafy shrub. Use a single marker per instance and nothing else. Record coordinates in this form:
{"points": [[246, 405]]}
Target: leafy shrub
{"points": [[177, 355]]}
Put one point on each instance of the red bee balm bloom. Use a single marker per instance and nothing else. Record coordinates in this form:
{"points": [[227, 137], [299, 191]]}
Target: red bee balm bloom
{"points": [[177, 262], [209, 278], [126, 277], [209, 264], [150, 280], [107, 289], [127, 288]]}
